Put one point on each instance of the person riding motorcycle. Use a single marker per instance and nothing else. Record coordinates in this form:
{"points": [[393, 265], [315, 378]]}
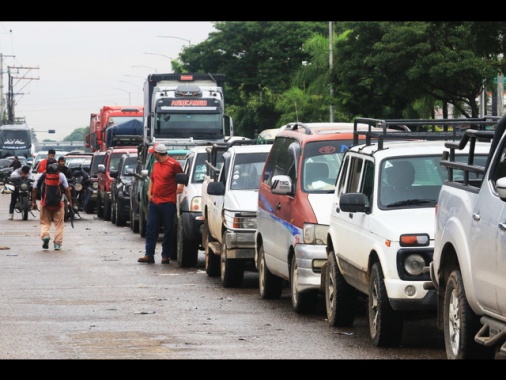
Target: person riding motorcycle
{"points": [[15, 178]]}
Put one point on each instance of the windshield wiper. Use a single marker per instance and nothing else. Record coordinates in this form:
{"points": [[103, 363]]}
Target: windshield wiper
{"points": [[412, 202]]}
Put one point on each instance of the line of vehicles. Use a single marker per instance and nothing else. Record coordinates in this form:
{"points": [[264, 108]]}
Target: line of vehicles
{"points": [[406, 215]]}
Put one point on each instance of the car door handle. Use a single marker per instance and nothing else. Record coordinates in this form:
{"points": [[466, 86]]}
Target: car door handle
{"points": [[476, 217], [278, 206]]}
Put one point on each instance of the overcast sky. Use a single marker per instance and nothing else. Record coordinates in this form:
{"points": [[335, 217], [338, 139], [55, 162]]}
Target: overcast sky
{"points": [[78, 67]]}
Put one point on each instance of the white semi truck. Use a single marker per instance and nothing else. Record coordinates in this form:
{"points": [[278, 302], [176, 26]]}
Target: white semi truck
{"points": [[185, 106]]}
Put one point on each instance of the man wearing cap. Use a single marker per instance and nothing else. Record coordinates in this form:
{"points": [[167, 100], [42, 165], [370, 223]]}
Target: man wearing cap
{"points": [[162, 197]]}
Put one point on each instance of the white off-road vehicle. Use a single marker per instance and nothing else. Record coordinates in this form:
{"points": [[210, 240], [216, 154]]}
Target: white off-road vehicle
{"points": [[381, 229]]}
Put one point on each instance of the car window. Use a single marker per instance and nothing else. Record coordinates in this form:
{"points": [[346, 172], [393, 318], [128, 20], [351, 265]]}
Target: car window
{"points": [[321, 163]]}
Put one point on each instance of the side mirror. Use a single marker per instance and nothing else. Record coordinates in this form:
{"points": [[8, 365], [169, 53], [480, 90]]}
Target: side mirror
{"points": [[353, 202], [282, 185], [216, 188]]}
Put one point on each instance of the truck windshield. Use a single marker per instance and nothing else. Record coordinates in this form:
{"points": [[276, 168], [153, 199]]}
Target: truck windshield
{"points": [[188, 125]]}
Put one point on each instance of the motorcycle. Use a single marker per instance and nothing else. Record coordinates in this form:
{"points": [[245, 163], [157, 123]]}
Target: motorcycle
{"points": [[78, 189], [24, 202]]}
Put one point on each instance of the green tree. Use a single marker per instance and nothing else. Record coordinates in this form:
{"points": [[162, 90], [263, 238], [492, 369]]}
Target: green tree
{"points": [[77, 134], [258, 59]]}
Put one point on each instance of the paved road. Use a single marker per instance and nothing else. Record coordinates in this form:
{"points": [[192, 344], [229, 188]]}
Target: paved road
{"points": [[92, 300]]}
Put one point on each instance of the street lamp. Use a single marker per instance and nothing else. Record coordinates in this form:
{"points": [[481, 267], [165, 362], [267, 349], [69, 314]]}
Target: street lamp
{"points": [[137, 87], [120, 89], [179, 38], [162, 55], [146, 67]]}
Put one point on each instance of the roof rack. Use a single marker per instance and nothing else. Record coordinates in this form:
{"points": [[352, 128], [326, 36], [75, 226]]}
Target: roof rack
{"points": [[412, 129]]}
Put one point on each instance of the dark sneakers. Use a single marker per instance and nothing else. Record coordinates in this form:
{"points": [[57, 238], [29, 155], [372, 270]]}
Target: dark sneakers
{"points": [[46, 242], [146, 259]]}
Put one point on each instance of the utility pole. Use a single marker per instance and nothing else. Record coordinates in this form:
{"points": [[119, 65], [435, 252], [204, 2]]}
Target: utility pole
{"points": [[331, 61], [2, 98], [10, 95]]}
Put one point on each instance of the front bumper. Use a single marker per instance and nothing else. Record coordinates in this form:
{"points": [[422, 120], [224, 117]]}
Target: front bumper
{"points": [[310, 260]]}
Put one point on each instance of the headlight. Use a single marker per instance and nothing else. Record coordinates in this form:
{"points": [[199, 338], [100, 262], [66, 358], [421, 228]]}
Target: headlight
{"points": [[23, 186], [315, 233], [95, 185], [414, 264], [78, 187], [241, 220]]}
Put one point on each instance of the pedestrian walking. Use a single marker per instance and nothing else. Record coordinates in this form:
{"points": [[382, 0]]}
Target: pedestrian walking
{"points": [[162, 197], [49, 186]]}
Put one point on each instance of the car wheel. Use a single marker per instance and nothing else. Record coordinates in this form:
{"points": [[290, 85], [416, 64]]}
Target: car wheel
{"points": [[107, 208], [142, 223], [120, 219], [340, 297], [461, 324], [134, 222], [270, 286], [303, 303], [187, 250], [113, 211], [100, 207], [212, 261], [232, 270], [385, 323]]}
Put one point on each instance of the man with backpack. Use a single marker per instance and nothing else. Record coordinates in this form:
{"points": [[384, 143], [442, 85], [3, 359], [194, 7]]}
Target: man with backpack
{"points": [[49, 186]]}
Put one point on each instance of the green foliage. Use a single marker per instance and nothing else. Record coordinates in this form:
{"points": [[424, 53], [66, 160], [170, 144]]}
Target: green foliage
{"points": [[278, 72], [77, 134]]}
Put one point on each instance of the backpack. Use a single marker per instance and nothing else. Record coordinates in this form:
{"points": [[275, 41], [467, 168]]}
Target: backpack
{"points": [[51, 191]]}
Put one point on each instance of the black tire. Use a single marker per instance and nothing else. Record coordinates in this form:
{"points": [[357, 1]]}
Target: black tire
{"points": [[461, 324], [340, 297], [25, 207], [302, 302], [270, 286], [134, 222], [120, 219], [107, 208], [187, 250], [90, 207], [212, 261], [100, 207], [142, 223], [232, 270], [385, 323], [113, 211]]}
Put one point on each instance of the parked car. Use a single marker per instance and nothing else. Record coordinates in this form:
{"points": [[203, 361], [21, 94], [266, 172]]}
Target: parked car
{"points": [[468, 269], [229, 202], [121, 188], [189, 216], [381, 229], [294, 197], [96, 159]]}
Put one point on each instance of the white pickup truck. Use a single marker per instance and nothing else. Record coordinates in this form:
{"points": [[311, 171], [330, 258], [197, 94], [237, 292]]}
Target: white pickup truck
{"points": [[469, 262], [229, 204]]}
